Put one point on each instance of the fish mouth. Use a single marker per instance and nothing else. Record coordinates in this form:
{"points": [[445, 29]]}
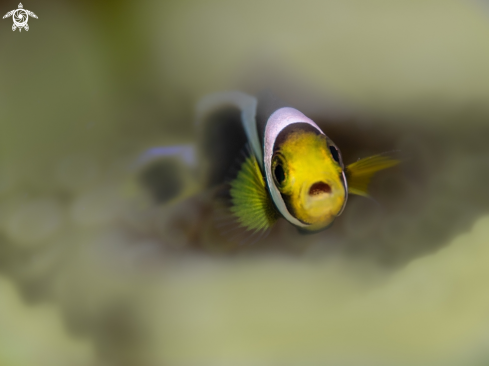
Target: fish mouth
{"points": [[320, 200], [314, 204], [319, 189]]}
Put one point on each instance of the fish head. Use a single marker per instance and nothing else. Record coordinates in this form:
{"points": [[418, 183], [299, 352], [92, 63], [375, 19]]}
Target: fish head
{"points": [[308, 172]]}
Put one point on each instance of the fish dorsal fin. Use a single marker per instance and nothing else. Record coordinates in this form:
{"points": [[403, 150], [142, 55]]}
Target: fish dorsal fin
{"points": [[251, 203], [246, 104], [359, 173]]}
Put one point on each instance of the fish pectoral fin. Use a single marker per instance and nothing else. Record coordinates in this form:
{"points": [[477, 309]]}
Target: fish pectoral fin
{"points": [[251, 203], [359, 173]]}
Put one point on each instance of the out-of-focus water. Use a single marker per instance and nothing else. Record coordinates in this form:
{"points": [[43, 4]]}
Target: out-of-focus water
{"points": [[93, 271]]}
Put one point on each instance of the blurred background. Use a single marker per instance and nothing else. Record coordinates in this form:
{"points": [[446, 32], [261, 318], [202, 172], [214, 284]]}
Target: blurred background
{"points": [[98, 269]]}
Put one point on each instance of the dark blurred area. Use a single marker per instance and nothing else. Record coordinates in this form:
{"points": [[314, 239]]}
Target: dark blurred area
{"points": [[106, 259]]}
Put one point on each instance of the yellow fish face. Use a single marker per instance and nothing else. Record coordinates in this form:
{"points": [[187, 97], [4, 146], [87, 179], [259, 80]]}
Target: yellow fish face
{"points": [[308, 173]]}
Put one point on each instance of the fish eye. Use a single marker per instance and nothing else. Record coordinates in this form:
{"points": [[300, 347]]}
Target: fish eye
{"points": [[279, 173], [335, 153], [278, 170]]}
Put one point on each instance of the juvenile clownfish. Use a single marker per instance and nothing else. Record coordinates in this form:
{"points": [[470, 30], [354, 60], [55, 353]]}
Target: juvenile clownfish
{"points": [[293, 169]]}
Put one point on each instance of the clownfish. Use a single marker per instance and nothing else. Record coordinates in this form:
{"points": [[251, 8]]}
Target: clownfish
{"points": [[293, 169]]}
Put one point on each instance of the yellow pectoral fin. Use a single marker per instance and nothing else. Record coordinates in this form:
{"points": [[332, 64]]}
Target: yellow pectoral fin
{"points": [[251, 203], [360, 173]]}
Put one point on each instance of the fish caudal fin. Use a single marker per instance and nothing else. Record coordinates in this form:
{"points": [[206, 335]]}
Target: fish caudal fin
{"points": [[251, 203], [359, 173]]}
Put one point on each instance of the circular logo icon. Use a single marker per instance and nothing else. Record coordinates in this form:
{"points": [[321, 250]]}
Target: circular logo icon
{"points": [[20, 18]]}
